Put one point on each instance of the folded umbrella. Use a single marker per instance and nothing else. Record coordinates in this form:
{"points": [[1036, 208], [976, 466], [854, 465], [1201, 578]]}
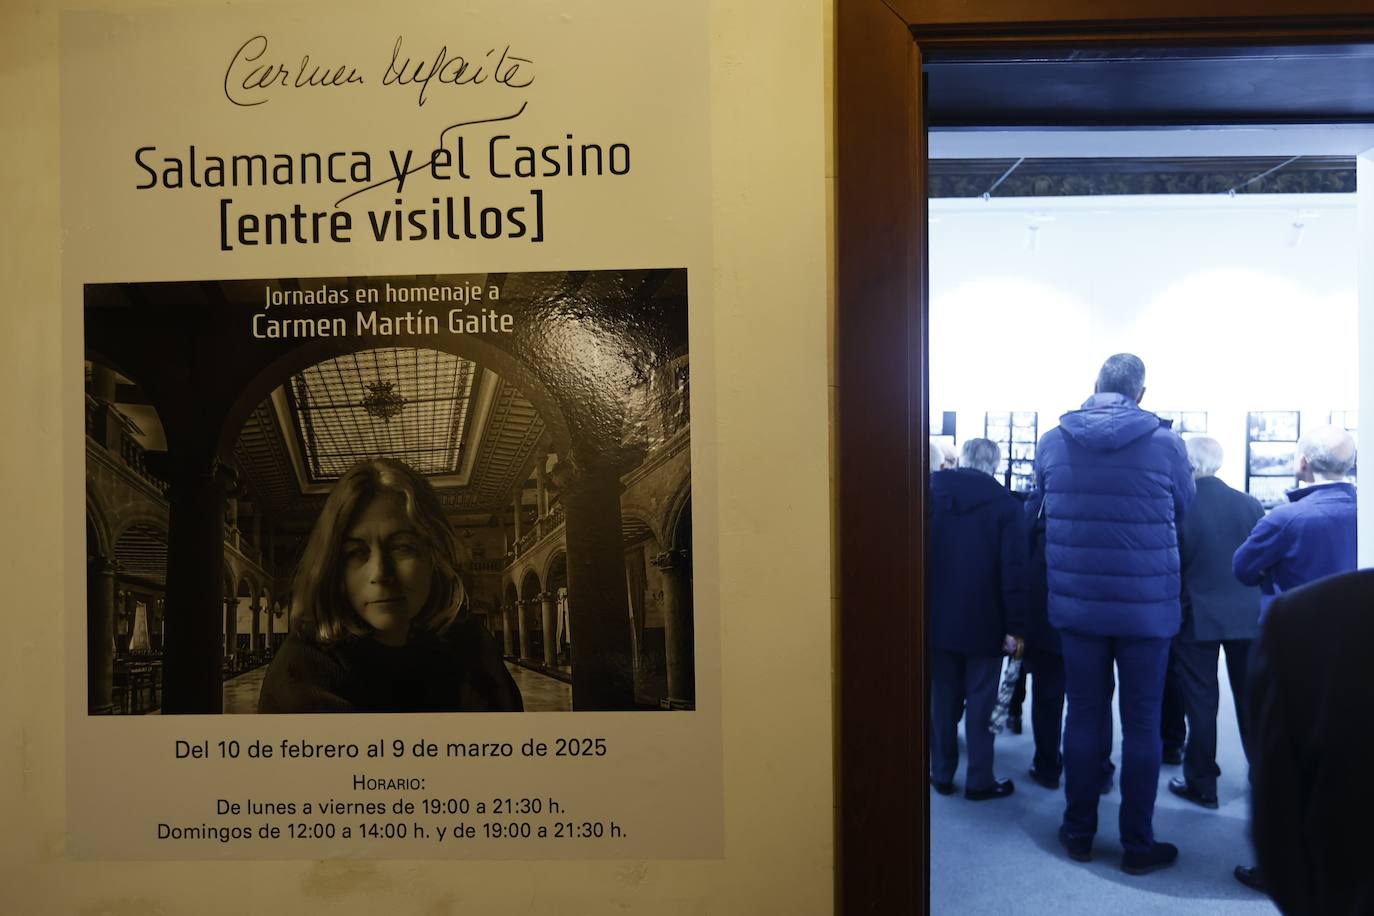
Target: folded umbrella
{"points": [[1010, 676]]}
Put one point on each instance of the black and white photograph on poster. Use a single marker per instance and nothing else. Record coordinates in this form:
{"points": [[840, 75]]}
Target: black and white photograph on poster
{"points": [[443, 493]]}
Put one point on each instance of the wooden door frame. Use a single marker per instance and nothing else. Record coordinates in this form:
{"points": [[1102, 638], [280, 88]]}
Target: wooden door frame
{"points": [[882, 402]]}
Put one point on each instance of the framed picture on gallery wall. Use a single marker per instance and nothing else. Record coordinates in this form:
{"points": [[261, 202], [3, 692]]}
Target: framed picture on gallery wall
{"points": [[1187, 423], [1272, 459], [1274, 425], [1016, 433], [1270, 491], [1346, 419]]}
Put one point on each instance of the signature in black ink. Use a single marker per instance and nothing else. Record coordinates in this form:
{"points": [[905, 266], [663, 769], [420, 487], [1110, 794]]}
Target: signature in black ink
{"points": [[402, 174], [458, 71], [245, 75]]}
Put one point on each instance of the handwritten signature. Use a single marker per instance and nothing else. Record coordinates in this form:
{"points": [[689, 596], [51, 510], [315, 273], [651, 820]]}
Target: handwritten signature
{"points": [[252, 75]]}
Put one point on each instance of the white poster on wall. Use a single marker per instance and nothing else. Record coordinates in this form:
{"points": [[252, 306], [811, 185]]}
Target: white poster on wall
{"points": [[379, 466]]}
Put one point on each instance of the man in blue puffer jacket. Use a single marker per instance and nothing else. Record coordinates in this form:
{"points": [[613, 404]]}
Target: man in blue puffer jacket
{"points": [[1117, 481]]}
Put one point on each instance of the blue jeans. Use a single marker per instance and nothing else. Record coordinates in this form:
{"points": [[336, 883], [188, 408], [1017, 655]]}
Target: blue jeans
{"points": [[1141, 665]]}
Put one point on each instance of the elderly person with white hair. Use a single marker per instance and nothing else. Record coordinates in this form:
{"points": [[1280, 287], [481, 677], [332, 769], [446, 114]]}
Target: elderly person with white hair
{"points": [[977, 610], [1313, 534], [1219, 615]]}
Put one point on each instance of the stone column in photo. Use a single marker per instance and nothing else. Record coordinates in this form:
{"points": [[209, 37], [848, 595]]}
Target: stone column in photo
{"points": [[231, 625], [677, 624], [100, 636], [195, 587], [546, 609], [602, 653], [508, 629], [522, 617], [255, 610], [516, 503]]}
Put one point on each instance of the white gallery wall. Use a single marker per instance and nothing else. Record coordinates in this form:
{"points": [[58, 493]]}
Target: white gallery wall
{"points": [[1234, 303]]}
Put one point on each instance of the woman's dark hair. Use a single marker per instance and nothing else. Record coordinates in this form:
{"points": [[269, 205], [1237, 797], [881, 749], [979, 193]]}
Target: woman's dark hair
{"points": [[320, 610]]}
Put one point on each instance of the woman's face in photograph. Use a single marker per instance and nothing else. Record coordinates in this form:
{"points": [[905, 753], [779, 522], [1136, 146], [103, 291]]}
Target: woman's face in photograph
{"points": [[387, 568]]}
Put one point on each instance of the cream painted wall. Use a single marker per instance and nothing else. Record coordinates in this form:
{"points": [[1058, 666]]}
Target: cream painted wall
{"points": [[770, 84]]}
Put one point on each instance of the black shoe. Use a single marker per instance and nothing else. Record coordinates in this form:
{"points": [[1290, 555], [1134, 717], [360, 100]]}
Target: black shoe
{"points": [[1179, 786], [1160, 855], [1251, 877], [1014, 724], [1079, 848], [1044, 779], [944, 788], [1000, 789], [1173, 756]]}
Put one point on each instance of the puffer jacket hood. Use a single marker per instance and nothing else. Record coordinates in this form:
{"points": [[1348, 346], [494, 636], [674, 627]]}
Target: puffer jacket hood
{"points": [[963, 490], [1117, 483], [1101, 424]]}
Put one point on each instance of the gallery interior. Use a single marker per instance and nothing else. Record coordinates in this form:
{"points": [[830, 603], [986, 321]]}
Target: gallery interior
{"points": [[1229, 261], [564, 470]]}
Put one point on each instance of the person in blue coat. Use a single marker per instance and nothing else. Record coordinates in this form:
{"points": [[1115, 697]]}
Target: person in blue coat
{"points": [[1117, 482], [1313, 534], [976, 610]]}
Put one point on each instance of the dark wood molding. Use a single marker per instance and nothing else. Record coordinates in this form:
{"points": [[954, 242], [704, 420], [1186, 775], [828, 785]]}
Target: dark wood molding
{"points": [[883, 821], [986, 18]]}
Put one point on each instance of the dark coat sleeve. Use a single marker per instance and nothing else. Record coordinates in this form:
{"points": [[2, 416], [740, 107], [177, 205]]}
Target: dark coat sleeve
{"points": [[1015, 585], [303, 678], [486, 670], [1310, 754], [1266, 546], [1274, 771]]}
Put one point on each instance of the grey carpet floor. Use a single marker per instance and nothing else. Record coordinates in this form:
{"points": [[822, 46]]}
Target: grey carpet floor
{"points": [[1002, 856]]}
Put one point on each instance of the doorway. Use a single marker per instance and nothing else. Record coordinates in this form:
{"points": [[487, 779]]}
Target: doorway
{"points": [[884, 284]]}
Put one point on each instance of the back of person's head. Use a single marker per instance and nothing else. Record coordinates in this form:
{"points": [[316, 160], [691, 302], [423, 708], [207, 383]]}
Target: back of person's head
{"points": [[980, 455], [320, 610], [1329, 452], [1122, 373], [1204, 455]]}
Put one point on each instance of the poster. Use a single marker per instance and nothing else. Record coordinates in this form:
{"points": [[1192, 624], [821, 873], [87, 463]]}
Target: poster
{"points": [[473, 246]]}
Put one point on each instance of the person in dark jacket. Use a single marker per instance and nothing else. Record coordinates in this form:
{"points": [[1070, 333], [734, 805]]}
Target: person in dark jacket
{"points": [[1311, 754], [1219, 614], [1044, 661], [1116, 482], [977, 612], [1309, 537]]}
